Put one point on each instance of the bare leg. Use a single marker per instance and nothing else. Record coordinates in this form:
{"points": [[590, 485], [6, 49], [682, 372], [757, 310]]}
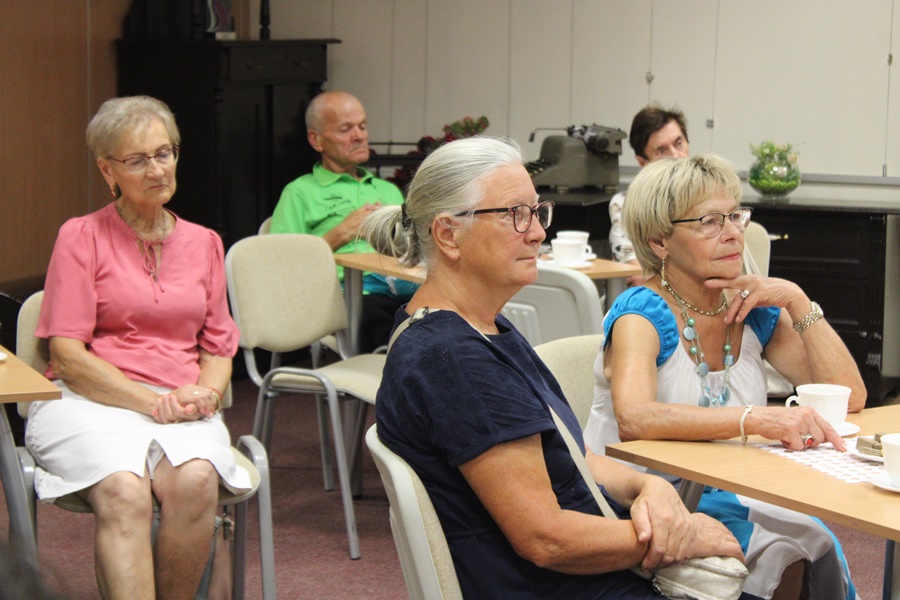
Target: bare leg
{"points": [[123, 556], [188, 497], [792, 582]]}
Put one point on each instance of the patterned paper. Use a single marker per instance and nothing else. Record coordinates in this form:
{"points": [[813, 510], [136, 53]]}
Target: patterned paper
{"points": [[843, 465]]}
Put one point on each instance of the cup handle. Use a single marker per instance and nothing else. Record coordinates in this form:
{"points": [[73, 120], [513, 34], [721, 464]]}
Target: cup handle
{"points": [[587, 249], [787, 402]]}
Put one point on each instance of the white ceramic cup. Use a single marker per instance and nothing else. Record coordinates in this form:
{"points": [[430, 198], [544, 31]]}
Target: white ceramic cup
{"points": [[890, 447], [581, 236], [567, 253], [827, 399]]}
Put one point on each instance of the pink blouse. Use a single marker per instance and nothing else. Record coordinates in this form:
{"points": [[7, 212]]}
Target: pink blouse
{"points": [[99, 292]]}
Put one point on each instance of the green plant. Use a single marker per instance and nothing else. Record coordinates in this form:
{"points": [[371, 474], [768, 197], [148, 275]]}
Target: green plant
{"points": [[772, 152], [775, 172]]}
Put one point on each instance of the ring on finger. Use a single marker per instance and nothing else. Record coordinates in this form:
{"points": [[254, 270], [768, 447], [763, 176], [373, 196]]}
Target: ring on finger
{"points": [[744, 294], [808, 440]]}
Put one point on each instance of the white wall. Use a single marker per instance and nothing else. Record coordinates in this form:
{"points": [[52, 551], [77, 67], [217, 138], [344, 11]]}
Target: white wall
{"points": [[811, 72]]}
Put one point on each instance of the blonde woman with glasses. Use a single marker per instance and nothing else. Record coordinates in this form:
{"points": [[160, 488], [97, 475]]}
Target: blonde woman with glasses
{"points": [[682, 359], [141, 343]]}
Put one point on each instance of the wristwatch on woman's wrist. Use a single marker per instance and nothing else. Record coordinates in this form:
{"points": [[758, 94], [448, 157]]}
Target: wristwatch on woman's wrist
{"points": [[815, 313]]}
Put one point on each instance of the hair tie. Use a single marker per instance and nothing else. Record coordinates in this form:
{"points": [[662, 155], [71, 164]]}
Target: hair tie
{"points": [[405, 221]]}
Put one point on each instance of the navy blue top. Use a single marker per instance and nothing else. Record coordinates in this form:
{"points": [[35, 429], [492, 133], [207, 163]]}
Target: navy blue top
{"points": [[447, 395]]}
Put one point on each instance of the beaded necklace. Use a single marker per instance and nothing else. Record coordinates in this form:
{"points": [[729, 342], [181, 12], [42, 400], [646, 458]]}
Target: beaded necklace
{"points": [[707, 398]]}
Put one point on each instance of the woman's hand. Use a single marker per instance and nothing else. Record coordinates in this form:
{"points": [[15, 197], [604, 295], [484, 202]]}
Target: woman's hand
{"points": [[661, 521], [712, 538], [754, 291], [790, 425], [187, 403]]}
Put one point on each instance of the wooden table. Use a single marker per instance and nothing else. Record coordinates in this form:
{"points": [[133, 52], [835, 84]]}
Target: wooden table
{"points": [[765, 476], [356, 263], [19, 383]]}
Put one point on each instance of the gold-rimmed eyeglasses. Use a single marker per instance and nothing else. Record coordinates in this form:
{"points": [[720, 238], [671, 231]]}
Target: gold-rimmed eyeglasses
{"points": [[521, 214], [712, 224], [138, 162]]}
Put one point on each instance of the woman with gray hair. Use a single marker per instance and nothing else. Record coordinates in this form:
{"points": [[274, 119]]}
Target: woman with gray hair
{"points": [[467, 403], [682, 359], [141, 343]]}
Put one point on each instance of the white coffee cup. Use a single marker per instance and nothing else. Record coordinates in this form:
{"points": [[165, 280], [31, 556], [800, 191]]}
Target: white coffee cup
{"points": [[567, 253], [890, 448], [581, 236], [827, 399]]}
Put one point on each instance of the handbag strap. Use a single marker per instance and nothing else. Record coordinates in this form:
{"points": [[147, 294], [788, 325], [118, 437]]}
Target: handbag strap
{"points": [[582, 465]]}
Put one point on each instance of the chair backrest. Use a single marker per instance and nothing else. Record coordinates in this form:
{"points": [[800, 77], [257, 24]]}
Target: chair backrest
{"points": [[561, 303], [571, 360], [424, 555], [33, 351], [757, 249], [265, 226], [284, 291]]}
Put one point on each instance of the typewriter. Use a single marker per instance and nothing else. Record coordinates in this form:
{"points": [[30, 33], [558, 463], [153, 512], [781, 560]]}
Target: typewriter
{"points": [[587, 157]]}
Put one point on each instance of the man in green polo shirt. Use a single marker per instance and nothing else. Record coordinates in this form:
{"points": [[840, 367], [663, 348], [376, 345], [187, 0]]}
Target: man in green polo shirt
{"points": [[332, 201]]}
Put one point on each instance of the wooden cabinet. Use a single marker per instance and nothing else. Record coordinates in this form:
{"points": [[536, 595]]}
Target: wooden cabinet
{"points": [[837, 253], [240, 107]]}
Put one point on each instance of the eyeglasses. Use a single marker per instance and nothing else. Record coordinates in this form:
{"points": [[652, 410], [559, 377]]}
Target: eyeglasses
{"points": [[712, 224], [522, 214], [139, 162]]}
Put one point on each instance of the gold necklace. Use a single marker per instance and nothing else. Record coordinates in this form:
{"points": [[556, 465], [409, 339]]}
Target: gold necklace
{"points": [[165, 232], [665, 283]]}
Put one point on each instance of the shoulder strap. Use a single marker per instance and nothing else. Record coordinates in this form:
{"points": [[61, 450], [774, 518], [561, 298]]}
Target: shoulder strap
{"points": [[582, 465], [416, 316]]}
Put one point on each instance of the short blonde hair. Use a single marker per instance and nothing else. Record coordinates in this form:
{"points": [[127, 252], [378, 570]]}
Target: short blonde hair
{"points": [[119, 116], [666, 190]]}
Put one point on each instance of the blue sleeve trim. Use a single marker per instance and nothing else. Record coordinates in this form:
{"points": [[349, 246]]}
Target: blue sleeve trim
{"points": [[763, 321], [650, 305]]}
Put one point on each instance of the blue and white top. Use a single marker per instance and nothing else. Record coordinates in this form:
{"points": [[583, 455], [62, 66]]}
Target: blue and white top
{"points": [[677, 380]]}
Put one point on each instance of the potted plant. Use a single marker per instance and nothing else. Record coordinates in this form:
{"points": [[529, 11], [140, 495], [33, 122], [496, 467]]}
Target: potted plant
{"points": [[775, 173]]}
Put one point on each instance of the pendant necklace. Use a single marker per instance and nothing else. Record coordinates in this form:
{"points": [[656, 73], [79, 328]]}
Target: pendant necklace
{"points": [[707, 398]]}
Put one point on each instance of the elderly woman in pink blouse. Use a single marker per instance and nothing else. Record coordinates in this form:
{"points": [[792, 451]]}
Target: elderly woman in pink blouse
{"points": [[141, 342]]}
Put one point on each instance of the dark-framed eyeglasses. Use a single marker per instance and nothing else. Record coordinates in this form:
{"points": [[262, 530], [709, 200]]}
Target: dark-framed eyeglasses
{"points": [[521, 214], [138, 162], [712, 224]]}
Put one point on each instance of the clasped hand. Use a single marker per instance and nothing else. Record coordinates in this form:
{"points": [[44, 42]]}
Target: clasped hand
{"points": [[187, 403], [673, 534]]}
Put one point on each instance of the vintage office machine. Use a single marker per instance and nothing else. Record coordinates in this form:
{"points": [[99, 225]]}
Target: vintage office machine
{"points": [[588, 157]]}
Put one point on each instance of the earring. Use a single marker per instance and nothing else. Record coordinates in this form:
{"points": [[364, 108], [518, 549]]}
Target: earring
{"points": [[112, 191], [662, 272]]}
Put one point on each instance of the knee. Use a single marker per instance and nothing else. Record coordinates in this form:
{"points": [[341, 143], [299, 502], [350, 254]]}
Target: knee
{"points": [[195, 488], [122, 497]]}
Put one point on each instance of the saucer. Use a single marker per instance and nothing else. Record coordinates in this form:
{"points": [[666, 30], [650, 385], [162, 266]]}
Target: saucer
{"points": [[590, 256], [846, 428], [884, 482], [855, 452], [2, 356], [578, 265]]}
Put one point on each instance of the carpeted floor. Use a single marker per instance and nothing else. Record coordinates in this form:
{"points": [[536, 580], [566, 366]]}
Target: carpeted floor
{"points": [[311, 555]]}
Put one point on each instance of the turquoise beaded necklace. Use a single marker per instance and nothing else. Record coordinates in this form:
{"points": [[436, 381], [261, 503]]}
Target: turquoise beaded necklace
{"points": [[707, 398]]}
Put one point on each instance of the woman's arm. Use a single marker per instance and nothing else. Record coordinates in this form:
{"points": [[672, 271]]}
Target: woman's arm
{"points": [[630, 367], [512, 482], [816, 355], [92, 377]]}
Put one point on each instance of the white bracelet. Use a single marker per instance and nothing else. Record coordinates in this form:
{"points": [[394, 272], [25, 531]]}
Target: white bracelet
{"points": [[747, 411]]}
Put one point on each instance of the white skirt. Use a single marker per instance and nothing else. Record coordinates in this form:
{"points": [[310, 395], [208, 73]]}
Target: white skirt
{"points": [[77, 443]]}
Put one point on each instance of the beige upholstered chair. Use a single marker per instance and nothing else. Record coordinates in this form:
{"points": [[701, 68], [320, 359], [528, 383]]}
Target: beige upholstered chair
{"points": [[285, 295], [571, 360], [248, 454], [421, 545], [265, 226], [561, 303]]}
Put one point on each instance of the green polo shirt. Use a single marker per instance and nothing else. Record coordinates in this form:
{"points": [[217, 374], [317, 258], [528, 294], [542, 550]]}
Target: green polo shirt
{"points": [[318, 202]]}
